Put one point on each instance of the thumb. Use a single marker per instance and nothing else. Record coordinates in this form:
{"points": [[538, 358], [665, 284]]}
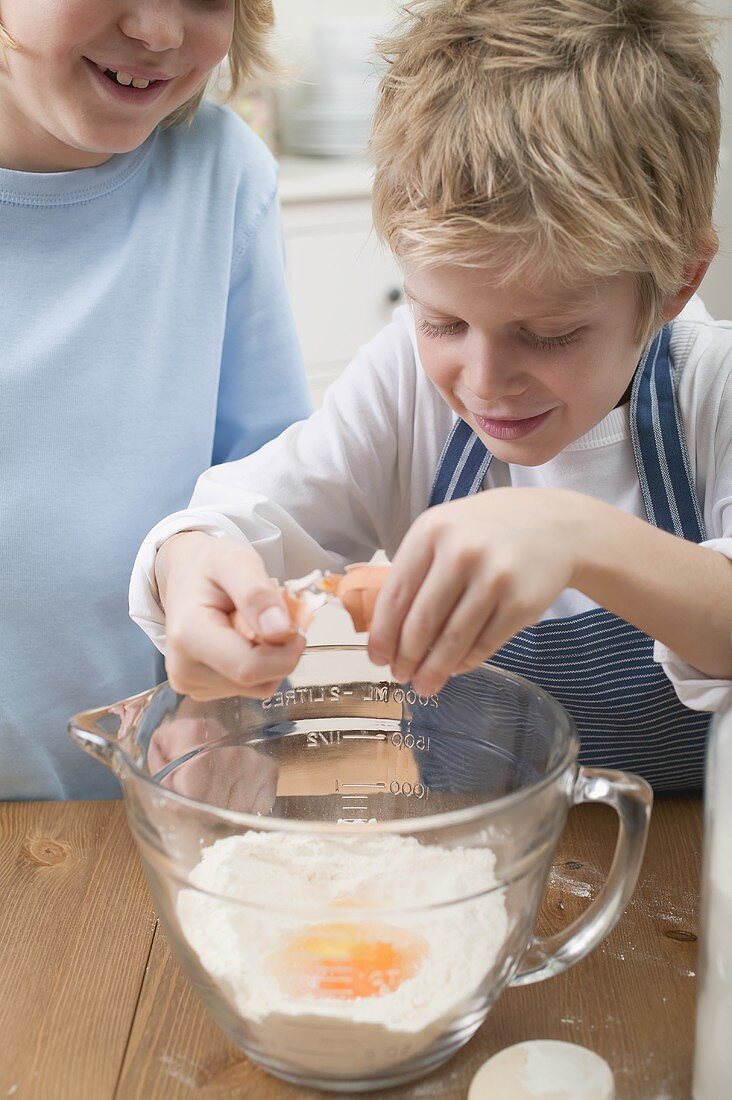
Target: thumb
{"points": [[273, 625], [260, 614]]}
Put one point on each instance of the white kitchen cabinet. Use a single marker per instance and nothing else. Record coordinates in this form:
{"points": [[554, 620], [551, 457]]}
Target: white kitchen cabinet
{"points": [[344, 285]]}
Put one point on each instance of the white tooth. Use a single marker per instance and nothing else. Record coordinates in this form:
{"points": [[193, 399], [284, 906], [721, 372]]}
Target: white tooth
{"points": [[140, 83], [124, 78]]}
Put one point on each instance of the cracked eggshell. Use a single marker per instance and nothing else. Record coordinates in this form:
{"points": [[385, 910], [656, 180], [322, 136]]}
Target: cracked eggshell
{"points": [[358, 590]]}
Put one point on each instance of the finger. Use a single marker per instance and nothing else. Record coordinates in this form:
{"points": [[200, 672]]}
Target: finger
{"points": [[426, 627], [409, 568], [208, 640], [258, 602], [456, 640], [261, 613], [503, 626], [220, 690], [203, 685], [499, 629], [274, 624]]}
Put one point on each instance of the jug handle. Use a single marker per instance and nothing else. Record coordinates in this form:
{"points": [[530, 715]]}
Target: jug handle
{"points": [[100, 732], [631, 798]]}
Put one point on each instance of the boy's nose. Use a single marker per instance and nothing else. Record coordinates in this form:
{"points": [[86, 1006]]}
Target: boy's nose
{"points": [[156, 24], [490, 374]]}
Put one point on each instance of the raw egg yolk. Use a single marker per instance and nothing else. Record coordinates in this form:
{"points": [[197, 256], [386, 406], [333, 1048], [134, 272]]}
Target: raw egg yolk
{"points": [[348, 960]]}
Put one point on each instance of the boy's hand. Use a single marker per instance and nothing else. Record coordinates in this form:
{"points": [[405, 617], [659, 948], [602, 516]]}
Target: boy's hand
{"points": [[469, 575], [202, 580]]}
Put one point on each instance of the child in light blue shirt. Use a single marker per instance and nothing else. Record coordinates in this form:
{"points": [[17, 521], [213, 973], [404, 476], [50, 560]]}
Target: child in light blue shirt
{"points": [[146, 335]]}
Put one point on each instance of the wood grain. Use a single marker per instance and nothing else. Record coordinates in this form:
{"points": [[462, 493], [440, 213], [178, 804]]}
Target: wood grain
{"points": [[632, 1000], [76, 926], [93, 1007]]}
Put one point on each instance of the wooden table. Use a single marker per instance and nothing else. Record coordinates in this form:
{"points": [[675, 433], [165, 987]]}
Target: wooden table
{"points": [[92, 1006]]}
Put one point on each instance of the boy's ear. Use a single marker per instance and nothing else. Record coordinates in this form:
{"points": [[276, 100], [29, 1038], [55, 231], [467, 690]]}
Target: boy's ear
{"points": [[693, 275]]}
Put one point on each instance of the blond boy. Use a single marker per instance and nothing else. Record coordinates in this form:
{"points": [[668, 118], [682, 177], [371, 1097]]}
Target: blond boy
{"points": [[545, 175]]}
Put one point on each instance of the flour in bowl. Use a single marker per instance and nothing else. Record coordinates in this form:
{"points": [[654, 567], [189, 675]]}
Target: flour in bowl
{"points": [[310, 941]]}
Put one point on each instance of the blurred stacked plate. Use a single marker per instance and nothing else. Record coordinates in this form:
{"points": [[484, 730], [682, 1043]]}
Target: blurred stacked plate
{"points": [[332, 113]]}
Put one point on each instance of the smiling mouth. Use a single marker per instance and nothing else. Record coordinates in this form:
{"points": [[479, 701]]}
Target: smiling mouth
{"points": [[510, 429], [509, 419], [128, 80], [125, 79]]}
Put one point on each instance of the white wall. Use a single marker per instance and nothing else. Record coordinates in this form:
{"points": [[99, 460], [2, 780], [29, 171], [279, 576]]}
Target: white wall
{"points": [[717, 287], [296, 19]]}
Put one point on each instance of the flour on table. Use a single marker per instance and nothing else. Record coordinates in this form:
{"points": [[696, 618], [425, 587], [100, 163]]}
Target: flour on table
{"points": [[276, 890]]}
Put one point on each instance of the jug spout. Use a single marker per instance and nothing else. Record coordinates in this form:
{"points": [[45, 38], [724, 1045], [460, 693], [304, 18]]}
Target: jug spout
{"points": [[102, 732]]}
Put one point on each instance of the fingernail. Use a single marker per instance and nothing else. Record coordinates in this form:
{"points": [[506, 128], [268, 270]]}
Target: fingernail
{"points": [[273, 621]]}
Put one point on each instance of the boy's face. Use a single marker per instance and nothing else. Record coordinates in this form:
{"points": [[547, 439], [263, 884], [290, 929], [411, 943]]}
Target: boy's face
{"points": [[530, 371], [58, 109]]}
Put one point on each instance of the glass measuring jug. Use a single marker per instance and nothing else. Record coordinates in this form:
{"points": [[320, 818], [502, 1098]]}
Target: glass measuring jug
{"points": [[349, 872]]}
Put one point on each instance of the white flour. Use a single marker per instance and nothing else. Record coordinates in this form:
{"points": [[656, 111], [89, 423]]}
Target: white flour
{"points": [[324, 878]]}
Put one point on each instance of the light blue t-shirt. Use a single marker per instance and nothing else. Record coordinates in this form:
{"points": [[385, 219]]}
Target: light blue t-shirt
{"points": [[146, 334]]}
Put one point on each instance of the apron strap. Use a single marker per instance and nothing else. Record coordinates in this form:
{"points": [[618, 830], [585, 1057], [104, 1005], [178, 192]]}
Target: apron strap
{"points": [[659, 446], [463, 465]]}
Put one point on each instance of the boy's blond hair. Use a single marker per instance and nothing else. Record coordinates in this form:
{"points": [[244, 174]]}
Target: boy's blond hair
{"points": [[568, 139], [249, 55]]}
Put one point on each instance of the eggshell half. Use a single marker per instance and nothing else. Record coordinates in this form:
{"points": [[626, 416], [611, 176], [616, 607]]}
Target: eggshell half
{"points": [[357, 589]]}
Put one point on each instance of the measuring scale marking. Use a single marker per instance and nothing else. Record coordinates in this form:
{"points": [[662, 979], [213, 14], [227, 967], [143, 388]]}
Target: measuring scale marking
{"points": [[377, 786], [318, 739], [349, 804], [354, 805], [355, 802]]}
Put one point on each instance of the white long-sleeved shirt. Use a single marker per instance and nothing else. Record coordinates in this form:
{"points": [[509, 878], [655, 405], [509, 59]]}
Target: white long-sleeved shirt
{"points": [[351, 479]]}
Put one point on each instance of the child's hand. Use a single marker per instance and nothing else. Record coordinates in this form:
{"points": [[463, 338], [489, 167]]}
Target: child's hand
{"points": [[469, 575], [202, 580]]}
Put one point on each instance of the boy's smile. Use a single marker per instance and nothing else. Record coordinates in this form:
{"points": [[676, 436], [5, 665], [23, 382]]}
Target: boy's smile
{"points": [[510, 427], [89, 80], [530, 370]]}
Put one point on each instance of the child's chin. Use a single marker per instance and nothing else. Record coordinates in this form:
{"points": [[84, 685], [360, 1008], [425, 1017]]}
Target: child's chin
{"points": [[123, 141], [522, 452]]}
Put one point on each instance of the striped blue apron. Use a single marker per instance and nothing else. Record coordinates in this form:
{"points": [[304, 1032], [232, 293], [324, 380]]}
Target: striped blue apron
{"points": [[599, 667]]}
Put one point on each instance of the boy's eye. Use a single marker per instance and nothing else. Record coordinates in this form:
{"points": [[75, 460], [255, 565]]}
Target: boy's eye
{"points": [[546, 343], [447, 329]]}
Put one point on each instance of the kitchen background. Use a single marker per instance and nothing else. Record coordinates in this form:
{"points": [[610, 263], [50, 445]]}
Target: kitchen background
{"points": [[343, 285]]}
